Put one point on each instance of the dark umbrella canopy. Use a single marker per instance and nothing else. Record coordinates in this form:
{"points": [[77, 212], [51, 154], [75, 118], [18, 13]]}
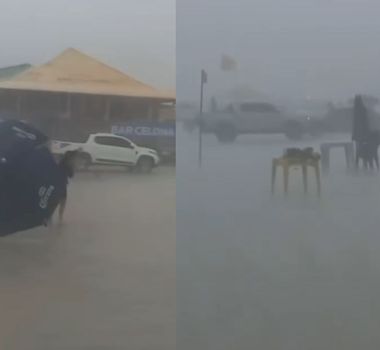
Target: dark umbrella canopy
{"points": [[31, 183], [360, 125]]}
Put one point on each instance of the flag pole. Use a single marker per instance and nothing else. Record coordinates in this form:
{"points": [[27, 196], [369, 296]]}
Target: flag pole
{"points": [[200, 140]]}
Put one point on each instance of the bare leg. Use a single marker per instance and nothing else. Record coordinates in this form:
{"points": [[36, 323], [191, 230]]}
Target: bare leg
{"points": [[370, 163], [356, 156], [62, 207], [365, 163], [357, 159]]}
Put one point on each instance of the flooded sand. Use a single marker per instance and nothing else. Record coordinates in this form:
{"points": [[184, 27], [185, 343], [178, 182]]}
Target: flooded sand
{"points": [[105, 279], [262, 272]]}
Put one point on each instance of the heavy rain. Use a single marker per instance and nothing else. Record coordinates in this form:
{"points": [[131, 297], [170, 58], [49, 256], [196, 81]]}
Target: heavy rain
{"points": [[263, 270], [98, 79]]}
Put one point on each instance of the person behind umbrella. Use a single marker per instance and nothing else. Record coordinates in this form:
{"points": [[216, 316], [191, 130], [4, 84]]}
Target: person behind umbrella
{"points": [[66, 166], [360, 131]]}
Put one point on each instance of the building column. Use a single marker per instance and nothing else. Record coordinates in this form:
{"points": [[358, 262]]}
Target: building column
{"points": [[107, 112]]}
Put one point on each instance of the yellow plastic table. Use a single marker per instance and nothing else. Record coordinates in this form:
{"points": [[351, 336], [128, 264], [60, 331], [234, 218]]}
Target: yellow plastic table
{"points": [[287, 163]]}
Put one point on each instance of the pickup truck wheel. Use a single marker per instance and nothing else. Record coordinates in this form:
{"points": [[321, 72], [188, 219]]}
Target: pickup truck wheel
{"points": [[225, 133], [83, 161], [145, 165]]}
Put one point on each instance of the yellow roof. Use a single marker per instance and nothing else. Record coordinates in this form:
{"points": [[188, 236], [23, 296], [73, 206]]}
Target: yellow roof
{"points": [[75, 72]]}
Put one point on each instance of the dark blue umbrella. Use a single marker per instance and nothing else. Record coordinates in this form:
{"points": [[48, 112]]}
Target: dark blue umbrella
{"points": [[31, 183]]}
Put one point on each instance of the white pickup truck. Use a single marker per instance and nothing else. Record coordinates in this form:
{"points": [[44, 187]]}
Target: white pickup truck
{"points": [[252, 118], [109, 149]]}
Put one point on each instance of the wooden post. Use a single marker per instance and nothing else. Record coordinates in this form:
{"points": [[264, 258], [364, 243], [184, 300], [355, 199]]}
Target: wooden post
{"points": [[200, 141]]}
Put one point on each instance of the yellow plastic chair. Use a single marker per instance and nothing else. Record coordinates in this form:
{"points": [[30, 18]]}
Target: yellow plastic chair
{"points": [[287, 163]]}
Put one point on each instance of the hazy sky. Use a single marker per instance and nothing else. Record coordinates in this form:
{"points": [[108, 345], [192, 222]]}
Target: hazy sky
{"points": [[137, 36], [289, 48]]}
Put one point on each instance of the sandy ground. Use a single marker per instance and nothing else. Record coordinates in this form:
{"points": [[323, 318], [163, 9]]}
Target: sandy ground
{"points": [[268, 273], [105, 280]]}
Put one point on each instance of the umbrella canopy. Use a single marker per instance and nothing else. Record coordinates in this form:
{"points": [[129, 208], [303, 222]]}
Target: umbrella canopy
{"points": [[31, 183], [360, 125]]}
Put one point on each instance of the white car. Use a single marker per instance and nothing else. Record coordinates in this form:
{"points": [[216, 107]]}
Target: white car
{"points": [[109, 149]]}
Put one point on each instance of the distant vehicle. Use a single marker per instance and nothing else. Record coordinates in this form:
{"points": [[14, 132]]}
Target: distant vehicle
{"points": [[254, 118], [109, 149]]}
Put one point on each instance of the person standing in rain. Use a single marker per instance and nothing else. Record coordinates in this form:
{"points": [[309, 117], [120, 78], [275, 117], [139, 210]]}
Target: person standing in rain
{"points": [[66, 166], [360, 132]]}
